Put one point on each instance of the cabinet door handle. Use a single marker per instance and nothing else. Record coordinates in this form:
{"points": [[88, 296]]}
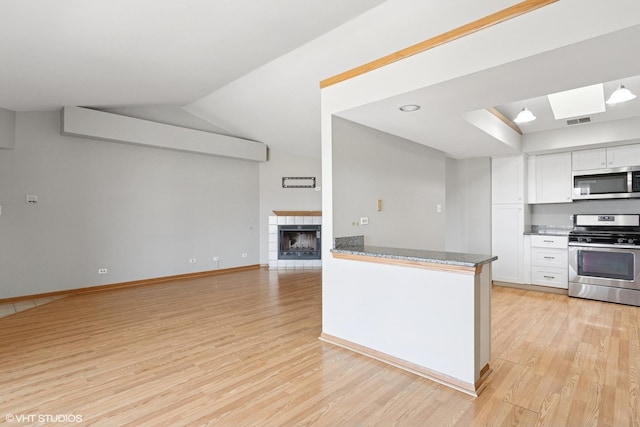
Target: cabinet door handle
{"points": [[548, 241], [549, 257], [549, 277]]}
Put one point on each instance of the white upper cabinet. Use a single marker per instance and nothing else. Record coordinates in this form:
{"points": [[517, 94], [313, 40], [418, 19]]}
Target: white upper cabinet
{"points": [[552, 178], [611, 157], [589, 159], [508, 179], [625, 155]]}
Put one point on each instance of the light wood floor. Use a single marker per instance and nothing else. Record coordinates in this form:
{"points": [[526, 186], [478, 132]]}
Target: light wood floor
{"points": [[241, 349]]}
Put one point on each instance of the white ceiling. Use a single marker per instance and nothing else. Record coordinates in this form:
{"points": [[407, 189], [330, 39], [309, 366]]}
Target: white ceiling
{"points": [[251, 68], [110, 53], [442, 122], [545, 119]]}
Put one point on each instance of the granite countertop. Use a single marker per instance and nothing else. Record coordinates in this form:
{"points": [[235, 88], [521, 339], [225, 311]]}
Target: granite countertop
{"points": [[548, 230], [436, 257], [351, 246]]}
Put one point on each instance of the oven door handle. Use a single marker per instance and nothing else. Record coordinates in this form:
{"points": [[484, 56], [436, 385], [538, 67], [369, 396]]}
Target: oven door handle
{"points": [[603, 245]]}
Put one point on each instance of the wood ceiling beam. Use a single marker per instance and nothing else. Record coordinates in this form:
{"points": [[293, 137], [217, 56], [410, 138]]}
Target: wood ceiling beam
{"points": [[465, 30], [504, 119]]}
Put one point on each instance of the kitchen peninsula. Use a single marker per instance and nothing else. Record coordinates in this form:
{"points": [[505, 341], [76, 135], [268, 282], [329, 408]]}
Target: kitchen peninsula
{"points": [[428, 312]]}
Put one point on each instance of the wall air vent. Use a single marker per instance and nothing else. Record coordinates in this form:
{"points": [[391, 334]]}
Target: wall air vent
{"points": [[579, 121]]}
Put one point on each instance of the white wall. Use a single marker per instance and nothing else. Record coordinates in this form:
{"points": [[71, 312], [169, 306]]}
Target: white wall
{"points": [[139, 212], [274, 197], [425, 317], [7, 128], [559, 214], [468, 205], [409, 178]]}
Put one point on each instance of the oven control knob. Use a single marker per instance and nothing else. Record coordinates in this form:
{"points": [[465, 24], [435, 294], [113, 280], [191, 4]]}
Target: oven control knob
{"points": [[588, 239], [620, 240], [631, 241], [580, 239]]}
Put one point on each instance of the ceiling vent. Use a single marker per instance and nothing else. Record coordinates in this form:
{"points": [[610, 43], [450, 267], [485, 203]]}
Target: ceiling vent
{"points": [[579, 121]]}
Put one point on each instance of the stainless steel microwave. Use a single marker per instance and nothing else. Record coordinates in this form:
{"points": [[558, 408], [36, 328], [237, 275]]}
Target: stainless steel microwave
{"points": [[618, 183]]}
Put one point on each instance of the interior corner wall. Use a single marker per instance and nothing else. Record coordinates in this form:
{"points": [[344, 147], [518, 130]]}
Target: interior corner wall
{"points": [[138, 212], [468, 205], [453, 206], [408, 177], [273, 197], [7, 128]]}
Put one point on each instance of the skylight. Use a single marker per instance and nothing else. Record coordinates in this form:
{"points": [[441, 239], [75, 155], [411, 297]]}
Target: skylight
{"points": [[582, 101]]}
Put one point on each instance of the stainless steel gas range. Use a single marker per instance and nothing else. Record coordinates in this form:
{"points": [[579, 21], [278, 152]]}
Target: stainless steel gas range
{"points": [[604, 252]]}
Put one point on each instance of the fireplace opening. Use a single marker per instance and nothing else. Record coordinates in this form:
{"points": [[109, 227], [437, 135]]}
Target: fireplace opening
{"points": [[299, 242]]}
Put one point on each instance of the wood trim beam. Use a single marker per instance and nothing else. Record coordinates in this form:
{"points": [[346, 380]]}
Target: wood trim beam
{"points": [[144, 282], [504, 119], [471, 389], [465, 30], [449, 268]]}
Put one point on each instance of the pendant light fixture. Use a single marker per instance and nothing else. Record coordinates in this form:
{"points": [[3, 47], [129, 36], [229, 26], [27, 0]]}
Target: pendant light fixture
{"points": [[622, 94], [524, 116]]}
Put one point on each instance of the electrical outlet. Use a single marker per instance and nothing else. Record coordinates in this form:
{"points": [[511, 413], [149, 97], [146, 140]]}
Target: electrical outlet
{"points": [[102, 271], [244, 255], [364, 220], [216, 258], [192, 260]]}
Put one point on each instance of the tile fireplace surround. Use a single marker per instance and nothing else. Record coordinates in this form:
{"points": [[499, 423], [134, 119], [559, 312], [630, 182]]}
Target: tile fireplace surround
{"points": [[290, 218]]}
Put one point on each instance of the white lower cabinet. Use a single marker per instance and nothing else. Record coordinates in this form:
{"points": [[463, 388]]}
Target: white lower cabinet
{"points": [[553, 277], [549, 261]]}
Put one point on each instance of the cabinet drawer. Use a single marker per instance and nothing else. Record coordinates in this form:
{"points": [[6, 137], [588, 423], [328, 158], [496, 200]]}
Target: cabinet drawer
{"points": [[539, 241], [549, 257], [553, 277]]}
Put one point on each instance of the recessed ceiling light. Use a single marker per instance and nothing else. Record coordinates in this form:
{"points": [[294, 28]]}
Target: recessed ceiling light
{"points": [[409, 107]]}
